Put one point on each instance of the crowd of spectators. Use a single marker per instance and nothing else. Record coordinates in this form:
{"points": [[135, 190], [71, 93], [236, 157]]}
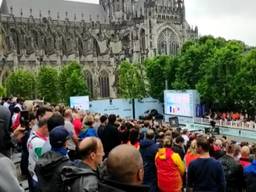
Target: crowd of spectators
{"points": [[68, 150]]}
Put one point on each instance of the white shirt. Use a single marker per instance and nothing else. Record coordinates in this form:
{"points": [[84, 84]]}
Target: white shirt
{"points": [[37, 145]]}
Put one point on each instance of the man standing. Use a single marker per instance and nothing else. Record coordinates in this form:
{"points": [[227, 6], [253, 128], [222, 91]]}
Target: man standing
{"points": [[110, 136], [148, 150], [48, 167], [72, 142], [205, 173], [38, 144], [82, 175], [125, 168], [178, 146]]}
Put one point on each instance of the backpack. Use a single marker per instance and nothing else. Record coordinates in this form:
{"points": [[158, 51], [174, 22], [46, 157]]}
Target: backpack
{"points": [[67, 183]]}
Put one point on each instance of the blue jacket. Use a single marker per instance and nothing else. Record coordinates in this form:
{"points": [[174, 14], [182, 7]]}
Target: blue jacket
{"points": [[250, 177], [148, 150], [90, 132]]}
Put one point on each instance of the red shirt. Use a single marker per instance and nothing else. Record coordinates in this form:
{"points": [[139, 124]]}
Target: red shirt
{"points": [[77, 125]]}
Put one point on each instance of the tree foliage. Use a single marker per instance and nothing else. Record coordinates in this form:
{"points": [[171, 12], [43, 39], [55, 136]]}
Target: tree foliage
{"points": [[48, 84], [131, 82], [159, 70], [21, 83], [72, 81]]}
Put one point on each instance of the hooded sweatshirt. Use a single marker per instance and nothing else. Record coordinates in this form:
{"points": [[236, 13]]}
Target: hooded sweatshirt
{"points": [[48, 171]]}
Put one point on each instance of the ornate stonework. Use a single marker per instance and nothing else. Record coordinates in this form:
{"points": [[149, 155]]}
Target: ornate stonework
{"points": [[97, 36]]}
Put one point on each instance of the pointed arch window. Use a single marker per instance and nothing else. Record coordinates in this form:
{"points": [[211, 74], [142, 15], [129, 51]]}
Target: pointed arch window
{"points": [[168, 43], [89, 82], [104, 84]]}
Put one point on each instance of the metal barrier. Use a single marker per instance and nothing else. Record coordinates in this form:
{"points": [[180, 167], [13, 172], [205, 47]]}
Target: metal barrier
{"points": [[251, 125]]}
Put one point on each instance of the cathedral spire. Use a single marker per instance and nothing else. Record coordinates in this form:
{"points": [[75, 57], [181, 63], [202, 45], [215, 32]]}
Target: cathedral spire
{"points": [[4, 7]]}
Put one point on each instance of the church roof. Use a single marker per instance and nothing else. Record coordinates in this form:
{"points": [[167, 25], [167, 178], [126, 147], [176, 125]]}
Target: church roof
{"points": [[55, 8]]}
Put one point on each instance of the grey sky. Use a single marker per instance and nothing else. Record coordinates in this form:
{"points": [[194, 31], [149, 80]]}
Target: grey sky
{"points": [[232, 19]]}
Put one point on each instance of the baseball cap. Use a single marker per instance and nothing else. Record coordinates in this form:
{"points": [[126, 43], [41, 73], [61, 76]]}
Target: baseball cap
{"points": [[58, 136]]}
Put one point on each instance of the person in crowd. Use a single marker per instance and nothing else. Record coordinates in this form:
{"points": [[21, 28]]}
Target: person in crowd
{"points": [[6, 102], [8, 176], [38, 144], [55, 120], [205, 173], [72, 142], [245, 154], [96, 123], [23, 141], [185, 134], [160, 138], [48, 167], [178, 146], [16, 118], [83, 175], [237, 152], [218, 149], [233, 171], [110, 136], [134, 138], [123, 134], [77, 122], [144, 129], [90, 131], [191, 153], [148, 150], [170, 168], [125, 169], [103, 124], [19, 103], [5, 139], [250, 176], [42, 113]]}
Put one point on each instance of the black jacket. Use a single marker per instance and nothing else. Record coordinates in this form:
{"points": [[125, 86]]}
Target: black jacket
{"points": [[48, 170], [110, 138], [177, 149], [148, 150], [113, 186], [79, 177], [233, 172]]}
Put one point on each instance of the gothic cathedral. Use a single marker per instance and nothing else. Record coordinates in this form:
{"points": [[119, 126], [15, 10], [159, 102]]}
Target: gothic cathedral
{"points": [[98, 36]]}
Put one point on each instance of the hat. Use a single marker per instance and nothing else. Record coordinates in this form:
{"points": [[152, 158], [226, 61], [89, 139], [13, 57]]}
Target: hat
{"points": [[58, 136]]}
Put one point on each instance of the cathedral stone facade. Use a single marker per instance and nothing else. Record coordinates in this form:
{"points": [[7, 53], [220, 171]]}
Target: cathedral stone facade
{"points": [[98, 36]]}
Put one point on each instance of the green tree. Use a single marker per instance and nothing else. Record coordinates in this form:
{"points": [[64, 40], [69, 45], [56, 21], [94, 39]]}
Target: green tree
{"points": [[21, 83], [194, 55], [216, 85], [131, 83], [245, 83], [2, 91], [72, 81], [47, 83], [159, 70]]}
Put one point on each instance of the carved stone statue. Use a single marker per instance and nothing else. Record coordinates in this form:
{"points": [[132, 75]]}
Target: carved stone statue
{"points": [[30, 47]]}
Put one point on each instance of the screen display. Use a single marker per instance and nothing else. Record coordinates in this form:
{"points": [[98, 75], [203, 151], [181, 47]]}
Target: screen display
{"points": [[178, 104], [80, 103]]}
